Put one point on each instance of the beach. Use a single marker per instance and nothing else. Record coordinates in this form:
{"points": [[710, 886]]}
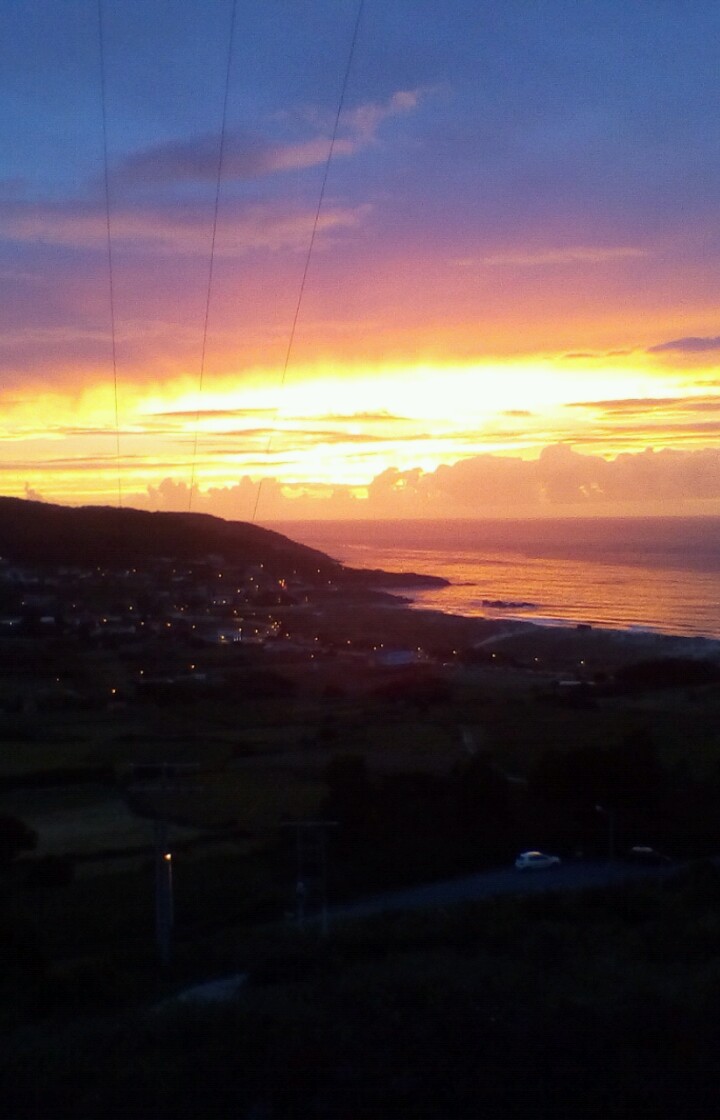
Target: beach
{"points": [[443, 637], [654, 576]]}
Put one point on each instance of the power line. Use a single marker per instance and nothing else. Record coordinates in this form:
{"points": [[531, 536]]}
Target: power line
{"points": [[216, 207], [111, 280], [221, 153], [313, 233]]}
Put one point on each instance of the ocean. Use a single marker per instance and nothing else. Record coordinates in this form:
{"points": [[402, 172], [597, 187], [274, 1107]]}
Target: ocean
{"points": [[657, 575]]}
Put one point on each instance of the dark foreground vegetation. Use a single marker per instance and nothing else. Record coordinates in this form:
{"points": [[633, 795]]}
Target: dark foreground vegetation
{"points": [[599, 1004], [147, 711]]}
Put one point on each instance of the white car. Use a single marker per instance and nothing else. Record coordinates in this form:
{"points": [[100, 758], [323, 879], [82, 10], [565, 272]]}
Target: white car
{"points": [[536, 861]]}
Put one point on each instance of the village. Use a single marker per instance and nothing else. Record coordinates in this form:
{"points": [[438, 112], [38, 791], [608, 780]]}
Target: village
{"points": [[165, 624], [169, 626], [108, 635]]}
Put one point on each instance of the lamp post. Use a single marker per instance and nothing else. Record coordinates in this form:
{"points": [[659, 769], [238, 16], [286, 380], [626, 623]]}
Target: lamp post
{"points": [[610, 814], [164, 907], [159, 782]]}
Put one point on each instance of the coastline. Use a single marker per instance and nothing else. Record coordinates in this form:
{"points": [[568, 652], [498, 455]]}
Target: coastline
{"points": [[654, 577], [550, 615], [394, 622], [631, 633]]}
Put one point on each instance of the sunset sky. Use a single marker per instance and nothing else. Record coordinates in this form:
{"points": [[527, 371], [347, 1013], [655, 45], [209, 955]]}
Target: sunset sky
{"points": [[512, 303]]}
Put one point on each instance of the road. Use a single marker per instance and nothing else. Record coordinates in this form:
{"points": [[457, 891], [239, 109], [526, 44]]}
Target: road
{"points": [[574, 875]]}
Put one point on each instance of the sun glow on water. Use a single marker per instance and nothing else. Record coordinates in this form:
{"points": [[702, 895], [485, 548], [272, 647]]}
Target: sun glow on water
{"points": [[610, 574]]}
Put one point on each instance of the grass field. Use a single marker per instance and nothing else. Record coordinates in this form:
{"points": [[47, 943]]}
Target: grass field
{"points": [[261, 763]]}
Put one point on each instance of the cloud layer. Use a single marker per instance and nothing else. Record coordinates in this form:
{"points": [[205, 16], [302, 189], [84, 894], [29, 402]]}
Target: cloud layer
{"points": [[686, 345], [560, 481]]}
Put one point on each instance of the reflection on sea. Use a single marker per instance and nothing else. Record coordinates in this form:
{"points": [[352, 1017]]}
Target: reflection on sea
{"points": [[658, 575]]}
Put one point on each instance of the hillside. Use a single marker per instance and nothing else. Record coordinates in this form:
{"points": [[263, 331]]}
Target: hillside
{"points": [[40, 531]]}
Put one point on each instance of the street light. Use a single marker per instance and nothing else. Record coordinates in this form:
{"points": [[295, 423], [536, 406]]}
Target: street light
{"points": [[164, 905], [164, 900]]}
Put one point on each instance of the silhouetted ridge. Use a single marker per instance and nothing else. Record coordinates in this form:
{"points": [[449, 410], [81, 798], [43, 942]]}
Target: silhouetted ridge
{"points": [[41, 531]]}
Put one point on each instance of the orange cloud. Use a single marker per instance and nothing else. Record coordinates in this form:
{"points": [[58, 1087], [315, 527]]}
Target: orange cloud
{"points": [[560, 480], [651, 405]]}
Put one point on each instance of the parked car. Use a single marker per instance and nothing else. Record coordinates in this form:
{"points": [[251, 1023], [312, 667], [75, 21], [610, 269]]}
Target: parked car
{"points": [[536, 861], [647, 856]]}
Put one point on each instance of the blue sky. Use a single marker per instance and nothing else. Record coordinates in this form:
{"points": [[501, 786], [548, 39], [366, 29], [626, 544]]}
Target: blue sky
{"points": [[514, 186]]}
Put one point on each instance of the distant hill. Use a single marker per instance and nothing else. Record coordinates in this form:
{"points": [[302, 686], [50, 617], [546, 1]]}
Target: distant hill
{"points": [[40, 531]]}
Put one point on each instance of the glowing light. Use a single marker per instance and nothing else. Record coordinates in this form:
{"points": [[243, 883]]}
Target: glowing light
{"points": [[332, 425]]}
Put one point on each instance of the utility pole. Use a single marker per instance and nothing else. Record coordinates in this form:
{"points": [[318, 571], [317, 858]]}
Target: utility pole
{"points": [[311, 869], [163, 857], [164, 902], [610, 814]]}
